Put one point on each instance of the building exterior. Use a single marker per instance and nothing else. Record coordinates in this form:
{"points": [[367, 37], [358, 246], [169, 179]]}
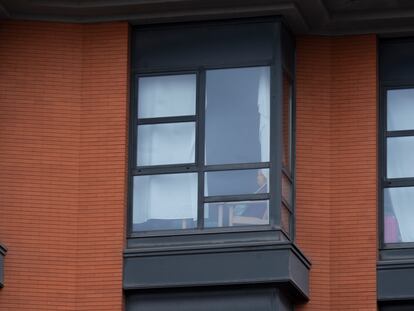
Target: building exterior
{"points": [[192, 155]]}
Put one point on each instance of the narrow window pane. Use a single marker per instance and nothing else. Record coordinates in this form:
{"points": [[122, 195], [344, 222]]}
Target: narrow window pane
{"points": [[236, 182], [237, 115], [287, 123], [286, 190], [170, 143], [400, 155], [399, 214], [166, 201], [400, 109], [285, 219], [166, 96], [229, 214]]}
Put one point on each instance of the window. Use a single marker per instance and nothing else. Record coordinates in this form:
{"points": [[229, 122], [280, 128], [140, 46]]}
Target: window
{"points": [[211, 138], [398, 193], [396, 147]]}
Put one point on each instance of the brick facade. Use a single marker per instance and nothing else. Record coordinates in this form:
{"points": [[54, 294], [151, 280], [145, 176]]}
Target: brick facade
{"points": [[336, 154], [63, 160], [63, 137]]}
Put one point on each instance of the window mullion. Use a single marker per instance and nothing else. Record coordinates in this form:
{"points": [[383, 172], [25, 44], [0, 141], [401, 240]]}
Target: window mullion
{"points": [[200, 111]]}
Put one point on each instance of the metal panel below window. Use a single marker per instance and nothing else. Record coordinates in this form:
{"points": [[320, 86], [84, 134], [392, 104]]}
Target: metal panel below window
{"points": [[237, 299]]}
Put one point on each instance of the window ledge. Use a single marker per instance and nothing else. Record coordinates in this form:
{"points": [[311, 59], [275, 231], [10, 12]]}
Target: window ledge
{"points": [[394, 280], [280, 264], [3, 251]]}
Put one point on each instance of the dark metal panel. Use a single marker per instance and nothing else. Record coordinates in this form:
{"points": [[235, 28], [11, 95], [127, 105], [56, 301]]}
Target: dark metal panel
{"points": [[397, 306], [284, 304], [257, 265], [235, 298], [396, 61], [3, 251], [395, 280], [206, 269], [298, 272], [201, 45], [288, 51]]}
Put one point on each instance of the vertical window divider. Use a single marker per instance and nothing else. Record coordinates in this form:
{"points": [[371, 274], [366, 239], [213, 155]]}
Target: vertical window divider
{"points": [[200, 117]]}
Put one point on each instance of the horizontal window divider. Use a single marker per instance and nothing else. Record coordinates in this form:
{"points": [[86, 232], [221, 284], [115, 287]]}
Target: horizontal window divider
{"points": [[287, 205], [165, 72], [160, 120], [399, 182], [177, 70], [237, 198], [287, 175], [165, 169], [241, 166], [402, 133], [401, 245], [203, 231]]}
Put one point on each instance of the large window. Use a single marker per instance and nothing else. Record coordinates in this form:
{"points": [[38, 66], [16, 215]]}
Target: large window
{"points": [[398, 192], [211, 129]]}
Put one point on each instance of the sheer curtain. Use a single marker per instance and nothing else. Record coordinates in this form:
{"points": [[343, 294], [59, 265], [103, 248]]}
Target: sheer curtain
{"points": [[167, 196], [401, 198], [400, 152], [263, 105]]}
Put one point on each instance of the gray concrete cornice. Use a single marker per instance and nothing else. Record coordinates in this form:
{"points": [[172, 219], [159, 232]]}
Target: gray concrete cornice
{"points": [[324, 17]]}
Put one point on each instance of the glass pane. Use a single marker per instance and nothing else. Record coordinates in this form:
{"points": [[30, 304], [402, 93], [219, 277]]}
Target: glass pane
{"points": [[285, 219], [237, 115], [228, 214], [236, 182], [400, 155], [399, 214], [286, 190], [166, 96], [400, 109], [166, 201], [169, 143], [287, 117]]}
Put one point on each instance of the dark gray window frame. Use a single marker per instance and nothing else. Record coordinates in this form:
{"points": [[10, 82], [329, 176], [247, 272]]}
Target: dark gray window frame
{"points": [[392, 76], [281, 62]]}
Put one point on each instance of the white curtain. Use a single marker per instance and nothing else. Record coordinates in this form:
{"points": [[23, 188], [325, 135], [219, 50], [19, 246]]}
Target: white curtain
{"points": [[400, 153], [167, 196], [166, 96], [263, 105], [401, 198]]}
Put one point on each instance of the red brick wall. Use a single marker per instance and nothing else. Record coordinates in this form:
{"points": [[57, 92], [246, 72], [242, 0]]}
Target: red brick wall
{"points": [[63, 131], [63, 147], [336, 203]]}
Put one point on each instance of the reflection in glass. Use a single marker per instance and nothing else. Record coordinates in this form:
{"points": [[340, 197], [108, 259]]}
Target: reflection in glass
{"points": [[400, 109], [286, 190], [228, 214], [167, 201], [285, 219], [399, 214], [166, 96], [237, 115], [400, 155], [287, 117], [167, 143], [236, 182]]}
